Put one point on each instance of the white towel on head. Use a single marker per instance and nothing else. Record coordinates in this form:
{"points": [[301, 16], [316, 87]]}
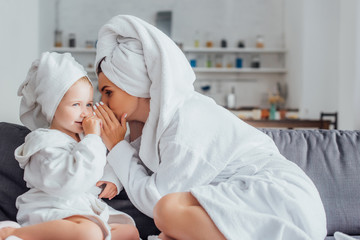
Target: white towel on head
{"points": [[47, 81], [157, 67]]}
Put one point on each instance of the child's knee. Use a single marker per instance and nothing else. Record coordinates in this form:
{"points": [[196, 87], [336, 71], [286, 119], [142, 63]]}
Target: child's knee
{"points": [[87, 230], [132, 233], [124, 232]]}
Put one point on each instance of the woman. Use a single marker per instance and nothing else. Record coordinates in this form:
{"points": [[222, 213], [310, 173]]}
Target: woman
{"points": [[197, 169]]}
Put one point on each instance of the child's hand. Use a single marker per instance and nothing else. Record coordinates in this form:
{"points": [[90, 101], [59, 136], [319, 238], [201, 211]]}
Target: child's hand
{"points": [[92, 125], [109, 191]]}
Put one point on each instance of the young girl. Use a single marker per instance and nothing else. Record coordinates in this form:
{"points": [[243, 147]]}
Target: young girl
{"points": [[64, 159]]}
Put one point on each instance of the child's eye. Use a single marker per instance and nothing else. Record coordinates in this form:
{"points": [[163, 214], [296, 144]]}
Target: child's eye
{"points": [[89, 105], [76, 104]]}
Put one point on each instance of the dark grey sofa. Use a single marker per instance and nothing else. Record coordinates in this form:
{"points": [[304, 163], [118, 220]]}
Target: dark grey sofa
{"points": [[331, 158]]}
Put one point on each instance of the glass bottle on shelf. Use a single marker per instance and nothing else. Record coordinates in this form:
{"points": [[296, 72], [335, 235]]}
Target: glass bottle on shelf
{"points": [[208, 41], [238, 61], [229, 60], [197, 40], [58, 38], [255, 62], [209, 61], [72, 41], [218, 61], [260, 41], [241, 44]]}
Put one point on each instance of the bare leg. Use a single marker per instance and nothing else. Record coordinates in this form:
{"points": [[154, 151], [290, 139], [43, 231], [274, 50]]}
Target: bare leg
{"points": [[124, 232], [180, 216], [75, 227]]}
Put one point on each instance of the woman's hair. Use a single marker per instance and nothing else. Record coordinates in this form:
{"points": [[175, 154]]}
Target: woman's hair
{"points": [[99, 70]]}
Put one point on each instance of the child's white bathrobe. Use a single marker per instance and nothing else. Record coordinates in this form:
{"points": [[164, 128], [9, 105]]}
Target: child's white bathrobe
{"points": [[61, 174]]}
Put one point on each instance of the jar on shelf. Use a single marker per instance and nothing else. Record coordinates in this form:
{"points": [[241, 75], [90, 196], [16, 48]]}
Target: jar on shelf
{"points": [[58, 38], [223, 43], [260, 41], [218, 61], [229, 60], [193, 62], [197, 40], [255, 62], [72, 41], [209, 61], [209, 44], [241, 44]]}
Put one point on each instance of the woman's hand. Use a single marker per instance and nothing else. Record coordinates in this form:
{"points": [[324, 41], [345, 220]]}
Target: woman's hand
{"points": [[112, 130], [109, 189], [91, 125]]}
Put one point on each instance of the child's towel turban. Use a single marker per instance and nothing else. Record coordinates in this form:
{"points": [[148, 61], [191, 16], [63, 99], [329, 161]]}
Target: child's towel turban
{"points": [[47, 81]]}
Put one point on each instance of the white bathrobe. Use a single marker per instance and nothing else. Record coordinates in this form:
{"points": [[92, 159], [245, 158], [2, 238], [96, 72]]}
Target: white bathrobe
{"points": [[61, 174], [235, 171]]}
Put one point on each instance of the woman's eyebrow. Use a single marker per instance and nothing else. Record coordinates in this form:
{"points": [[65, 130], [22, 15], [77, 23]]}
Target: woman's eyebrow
{"points": [[102, 89]]}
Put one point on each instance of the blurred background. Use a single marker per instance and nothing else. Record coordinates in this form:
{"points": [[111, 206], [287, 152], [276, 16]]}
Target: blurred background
{"points": [[247, 54]]}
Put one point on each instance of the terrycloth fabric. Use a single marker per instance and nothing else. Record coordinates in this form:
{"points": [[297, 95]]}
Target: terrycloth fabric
{"points": [[13, 238], [4, 224], [144, 62], [342, 236], [47, 81], [61, 174], [235, 171]]}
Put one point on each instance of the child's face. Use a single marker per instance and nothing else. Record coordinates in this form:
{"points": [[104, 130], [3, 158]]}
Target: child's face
{"points": [[74, 107]]}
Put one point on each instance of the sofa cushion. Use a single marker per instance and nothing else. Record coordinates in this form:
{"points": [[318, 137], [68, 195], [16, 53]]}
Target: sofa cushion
{"points": [[11, 175], [331, 158]]}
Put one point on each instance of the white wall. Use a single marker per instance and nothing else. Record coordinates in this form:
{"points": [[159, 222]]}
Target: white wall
{"points": [[312, 35], [320, 57], [323, 64], [19, 46], [349, 70]]}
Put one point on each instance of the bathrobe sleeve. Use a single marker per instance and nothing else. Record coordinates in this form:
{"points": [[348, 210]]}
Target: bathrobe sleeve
{"points": [[180, 169], [63, 172]]}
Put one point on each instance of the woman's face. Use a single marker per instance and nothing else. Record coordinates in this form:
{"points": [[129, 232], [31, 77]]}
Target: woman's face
{"points": [[116, 99]]}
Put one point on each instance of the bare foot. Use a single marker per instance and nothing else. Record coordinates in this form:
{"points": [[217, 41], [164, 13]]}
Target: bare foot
{"points": [[6, 232]]}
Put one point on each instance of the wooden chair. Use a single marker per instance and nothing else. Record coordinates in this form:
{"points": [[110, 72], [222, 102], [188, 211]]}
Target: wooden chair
{"points": [[332, 117]]}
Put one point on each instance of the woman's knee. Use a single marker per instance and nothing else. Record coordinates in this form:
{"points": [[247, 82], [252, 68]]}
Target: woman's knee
{"points": [[165, 210], [172, 207]]}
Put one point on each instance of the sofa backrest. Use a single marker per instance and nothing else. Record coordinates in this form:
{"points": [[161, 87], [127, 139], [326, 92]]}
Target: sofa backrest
{"points": [[331, 158], [11, 175]]}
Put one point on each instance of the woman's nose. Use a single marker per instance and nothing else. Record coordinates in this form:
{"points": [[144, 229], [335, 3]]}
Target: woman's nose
{"points": [[103, 99]]}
